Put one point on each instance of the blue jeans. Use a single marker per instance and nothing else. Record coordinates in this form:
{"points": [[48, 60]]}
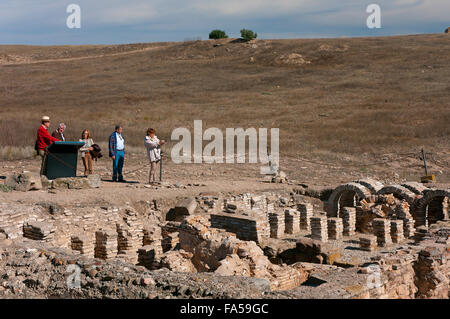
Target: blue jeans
{"points": [[118, 165]]}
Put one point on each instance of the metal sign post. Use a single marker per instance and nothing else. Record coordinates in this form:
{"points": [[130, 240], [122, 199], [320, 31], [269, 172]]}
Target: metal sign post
{"points": [[427, 178], [160, 168], [425, 162]]}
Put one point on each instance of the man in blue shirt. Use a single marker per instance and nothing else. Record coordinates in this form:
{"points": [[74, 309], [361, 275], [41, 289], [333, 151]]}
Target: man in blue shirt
{"points": [[117, 153]]}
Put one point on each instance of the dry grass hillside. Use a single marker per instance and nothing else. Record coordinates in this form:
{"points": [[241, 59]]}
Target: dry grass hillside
{"points": [[331, 98]]}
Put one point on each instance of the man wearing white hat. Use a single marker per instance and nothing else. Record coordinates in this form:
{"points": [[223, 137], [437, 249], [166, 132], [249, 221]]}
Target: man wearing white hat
{"points": [[44, 139]]}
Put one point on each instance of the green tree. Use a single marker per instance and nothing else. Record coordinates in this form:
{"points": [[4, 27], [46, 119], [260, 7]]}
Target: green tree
{"points": [[218, 34], [248, 35]]}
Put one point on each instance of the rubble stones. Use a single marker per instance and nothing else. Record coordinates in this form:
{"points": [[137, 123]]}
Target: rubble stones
{"points": [[310, 250], [209, 203], [112, 279], [170, 241], [232, 265], [24, 182], [45, 182], [280, 177], [178, 260], [214, 249], [92, 181], [184, 207], [431, 269]]}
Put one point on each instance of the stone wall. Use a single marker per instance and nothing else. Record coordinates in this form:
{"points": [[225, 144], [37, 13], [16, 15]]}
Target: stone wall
{"points": [[392, 277], [432, 272], [252, 227], [227, 244], [420, 271]]}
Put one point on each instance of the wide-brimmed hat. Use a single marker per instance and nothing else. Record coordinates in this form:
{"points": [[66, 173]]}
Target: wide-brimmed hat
{"points": [[45, 119]]}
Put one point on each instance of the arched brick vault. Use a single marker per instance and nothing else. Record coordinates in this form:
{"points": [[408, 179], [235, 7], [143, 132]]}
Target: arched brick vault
{"points": [[415, 187], [403, 193], [399, 192], [346, 195], [433, 206], [371, 184]]}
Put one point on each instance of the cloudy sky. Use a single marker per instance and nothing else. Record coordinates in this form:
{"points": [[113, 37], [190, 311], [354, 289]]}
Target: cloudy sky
{"points": [[128, 21]]}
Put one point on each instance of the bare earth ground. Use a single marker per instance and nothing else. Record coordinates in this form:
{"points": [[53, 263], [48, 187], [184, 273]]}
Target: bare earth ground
{"points": [[346, 103], [200, 178], [346, 108]]}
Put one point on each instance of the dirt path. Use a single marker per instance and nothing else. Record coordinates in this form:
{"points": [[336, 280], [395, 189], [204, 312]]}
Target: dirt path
{"points": [[25, 61]]}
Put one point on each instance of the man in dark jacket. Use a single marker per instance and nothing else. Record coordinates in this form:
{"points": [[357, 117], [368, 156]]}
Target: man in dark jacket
{"points": [[117, 153], [59, 132]]}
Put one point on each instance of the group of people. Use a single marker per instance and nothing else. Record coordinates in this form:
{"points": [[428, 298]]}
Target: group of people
{"points": [[116, 149]]}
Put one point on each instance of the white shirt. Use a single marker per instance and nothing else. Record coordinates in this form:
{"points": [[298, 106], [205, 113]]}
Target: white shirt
{"points": [[153, 148], [120, 141]]}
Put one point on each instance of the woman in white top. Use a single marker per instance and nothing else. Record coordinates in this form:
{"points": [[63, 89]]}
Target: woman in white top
{"points": [[153, 145], [85, 155]]}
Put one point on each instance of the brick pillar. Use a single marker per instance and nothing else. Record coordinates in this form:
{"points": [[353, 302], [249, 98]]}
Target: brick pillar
{"points": [[84, 244], [291, 221], [349, 220], [335, 228], [319, 228], [277, 226], [397, 231], [367, 242], [382, 229], [408, 227], [421, 234], [105, 244], [306, 212], [149, 255]]}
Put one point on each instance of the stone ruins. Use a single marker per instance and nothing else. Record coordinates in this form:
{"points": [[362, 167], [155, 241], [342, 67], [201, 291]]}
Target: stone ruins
{"points": [[364, 240]]}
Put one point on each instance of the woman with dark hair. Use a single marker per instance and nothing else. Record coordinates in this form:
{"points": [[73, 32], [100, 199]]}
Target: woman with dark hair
{"points": [[153, 145], [85, 154]]}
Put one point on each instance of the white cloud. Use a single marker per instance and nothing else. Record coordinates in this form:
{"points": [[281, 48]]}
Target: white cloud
{"points": [[116, 12], [199, 16]]}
